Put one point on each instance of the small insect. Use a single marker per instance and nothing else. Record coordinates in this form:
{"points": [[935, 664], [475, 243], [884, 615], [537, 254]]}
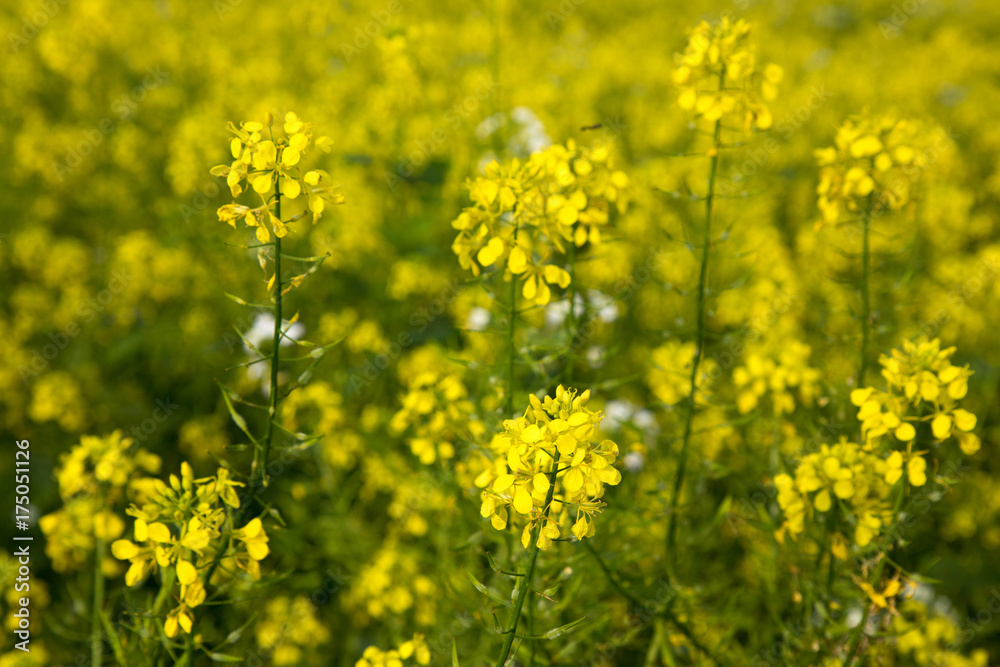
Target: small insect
{"points": [[592, 127]]}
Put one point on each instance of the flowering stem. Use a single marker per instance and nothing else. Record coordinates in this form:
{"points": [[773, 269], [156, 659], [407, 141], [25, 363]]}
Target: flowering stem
{"points": [[865, 297], [859, 630], [571, 314], [522, 593], [508, 403], [699, 342], [275, 353], [96, 642], [166, 586]]}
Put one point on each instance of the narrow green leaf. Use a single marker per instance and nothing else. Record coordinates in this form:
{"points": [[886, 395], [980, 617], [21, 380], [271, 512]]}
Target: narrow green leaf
{"points": [[481, 587], [562, 630]]}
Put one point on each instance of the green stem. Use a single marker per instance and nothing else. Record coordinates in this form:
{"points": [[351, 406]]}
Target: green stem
{"points": [[865, 296], [272, 410], [859, 630], [525, 582], [508, 400], [166, 586], [699, 351], [96, 641], [571, 314], [617, 585]]}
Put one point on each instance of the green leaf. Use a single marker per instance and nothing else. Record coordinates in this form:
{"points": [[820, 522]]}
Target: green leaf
{"points": [[481, 587], [493, 564], [222, 657], [237, 417], [564, 629], [454, 653]]}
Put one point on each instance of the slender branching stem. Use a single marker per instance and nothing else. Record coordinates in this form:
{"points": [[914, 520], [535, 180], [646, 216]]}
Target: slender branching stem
{"points": [[699, 342], [858, 632], [525, 581], [571, 314], [866, 307], [508, 399], [272, 410], [96, 641]]}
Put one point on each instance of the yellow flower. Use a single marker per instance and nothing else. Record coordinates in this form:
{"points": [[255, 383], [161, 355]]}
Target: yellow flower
{"points": [[554, 435], [264, 164], [718, 76]]}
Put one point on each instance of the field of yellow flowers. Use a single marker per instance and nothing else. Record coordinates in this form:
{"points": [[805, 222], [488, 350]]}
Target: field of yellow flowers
{"points": [[389, 334]]}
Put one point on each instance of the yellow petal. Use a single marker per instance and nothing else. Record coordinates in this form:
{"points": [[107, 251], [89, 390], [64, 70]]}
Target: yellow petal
{"points": [[941, 426], [124, 549], [262, 183], [291, 188], [517, 261], [822, 502], [573, 480], [490, 252], [906, 432], [159, 532], [964, 419], [522, 501], [186, 572]]}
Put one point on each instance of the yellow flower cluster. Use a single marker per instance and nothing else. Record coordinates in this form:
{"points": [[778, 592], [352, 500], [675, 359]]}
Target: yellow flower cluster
{"points": [[546, 465], [791, 371], [719, 76], [670, 374], [439, 413], [923, 386], [526, 212], [182, 527], [844, 471], [391, 585], [272, 165], [290, 629], [415, 648], [877, 156], [92, 477]]}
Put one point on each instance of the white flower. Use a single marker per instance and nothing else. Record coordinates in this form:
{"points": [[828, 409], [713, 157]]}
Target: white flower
{"points": [[478, 319]]}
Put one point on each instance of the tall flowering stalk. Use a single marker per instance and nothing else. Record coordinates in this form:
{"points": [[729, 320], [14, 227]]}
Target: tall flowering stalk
{"points": [[857, 491], [549, 474], [720, 81], [872, 169], [188, 527], [528, 219]]}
